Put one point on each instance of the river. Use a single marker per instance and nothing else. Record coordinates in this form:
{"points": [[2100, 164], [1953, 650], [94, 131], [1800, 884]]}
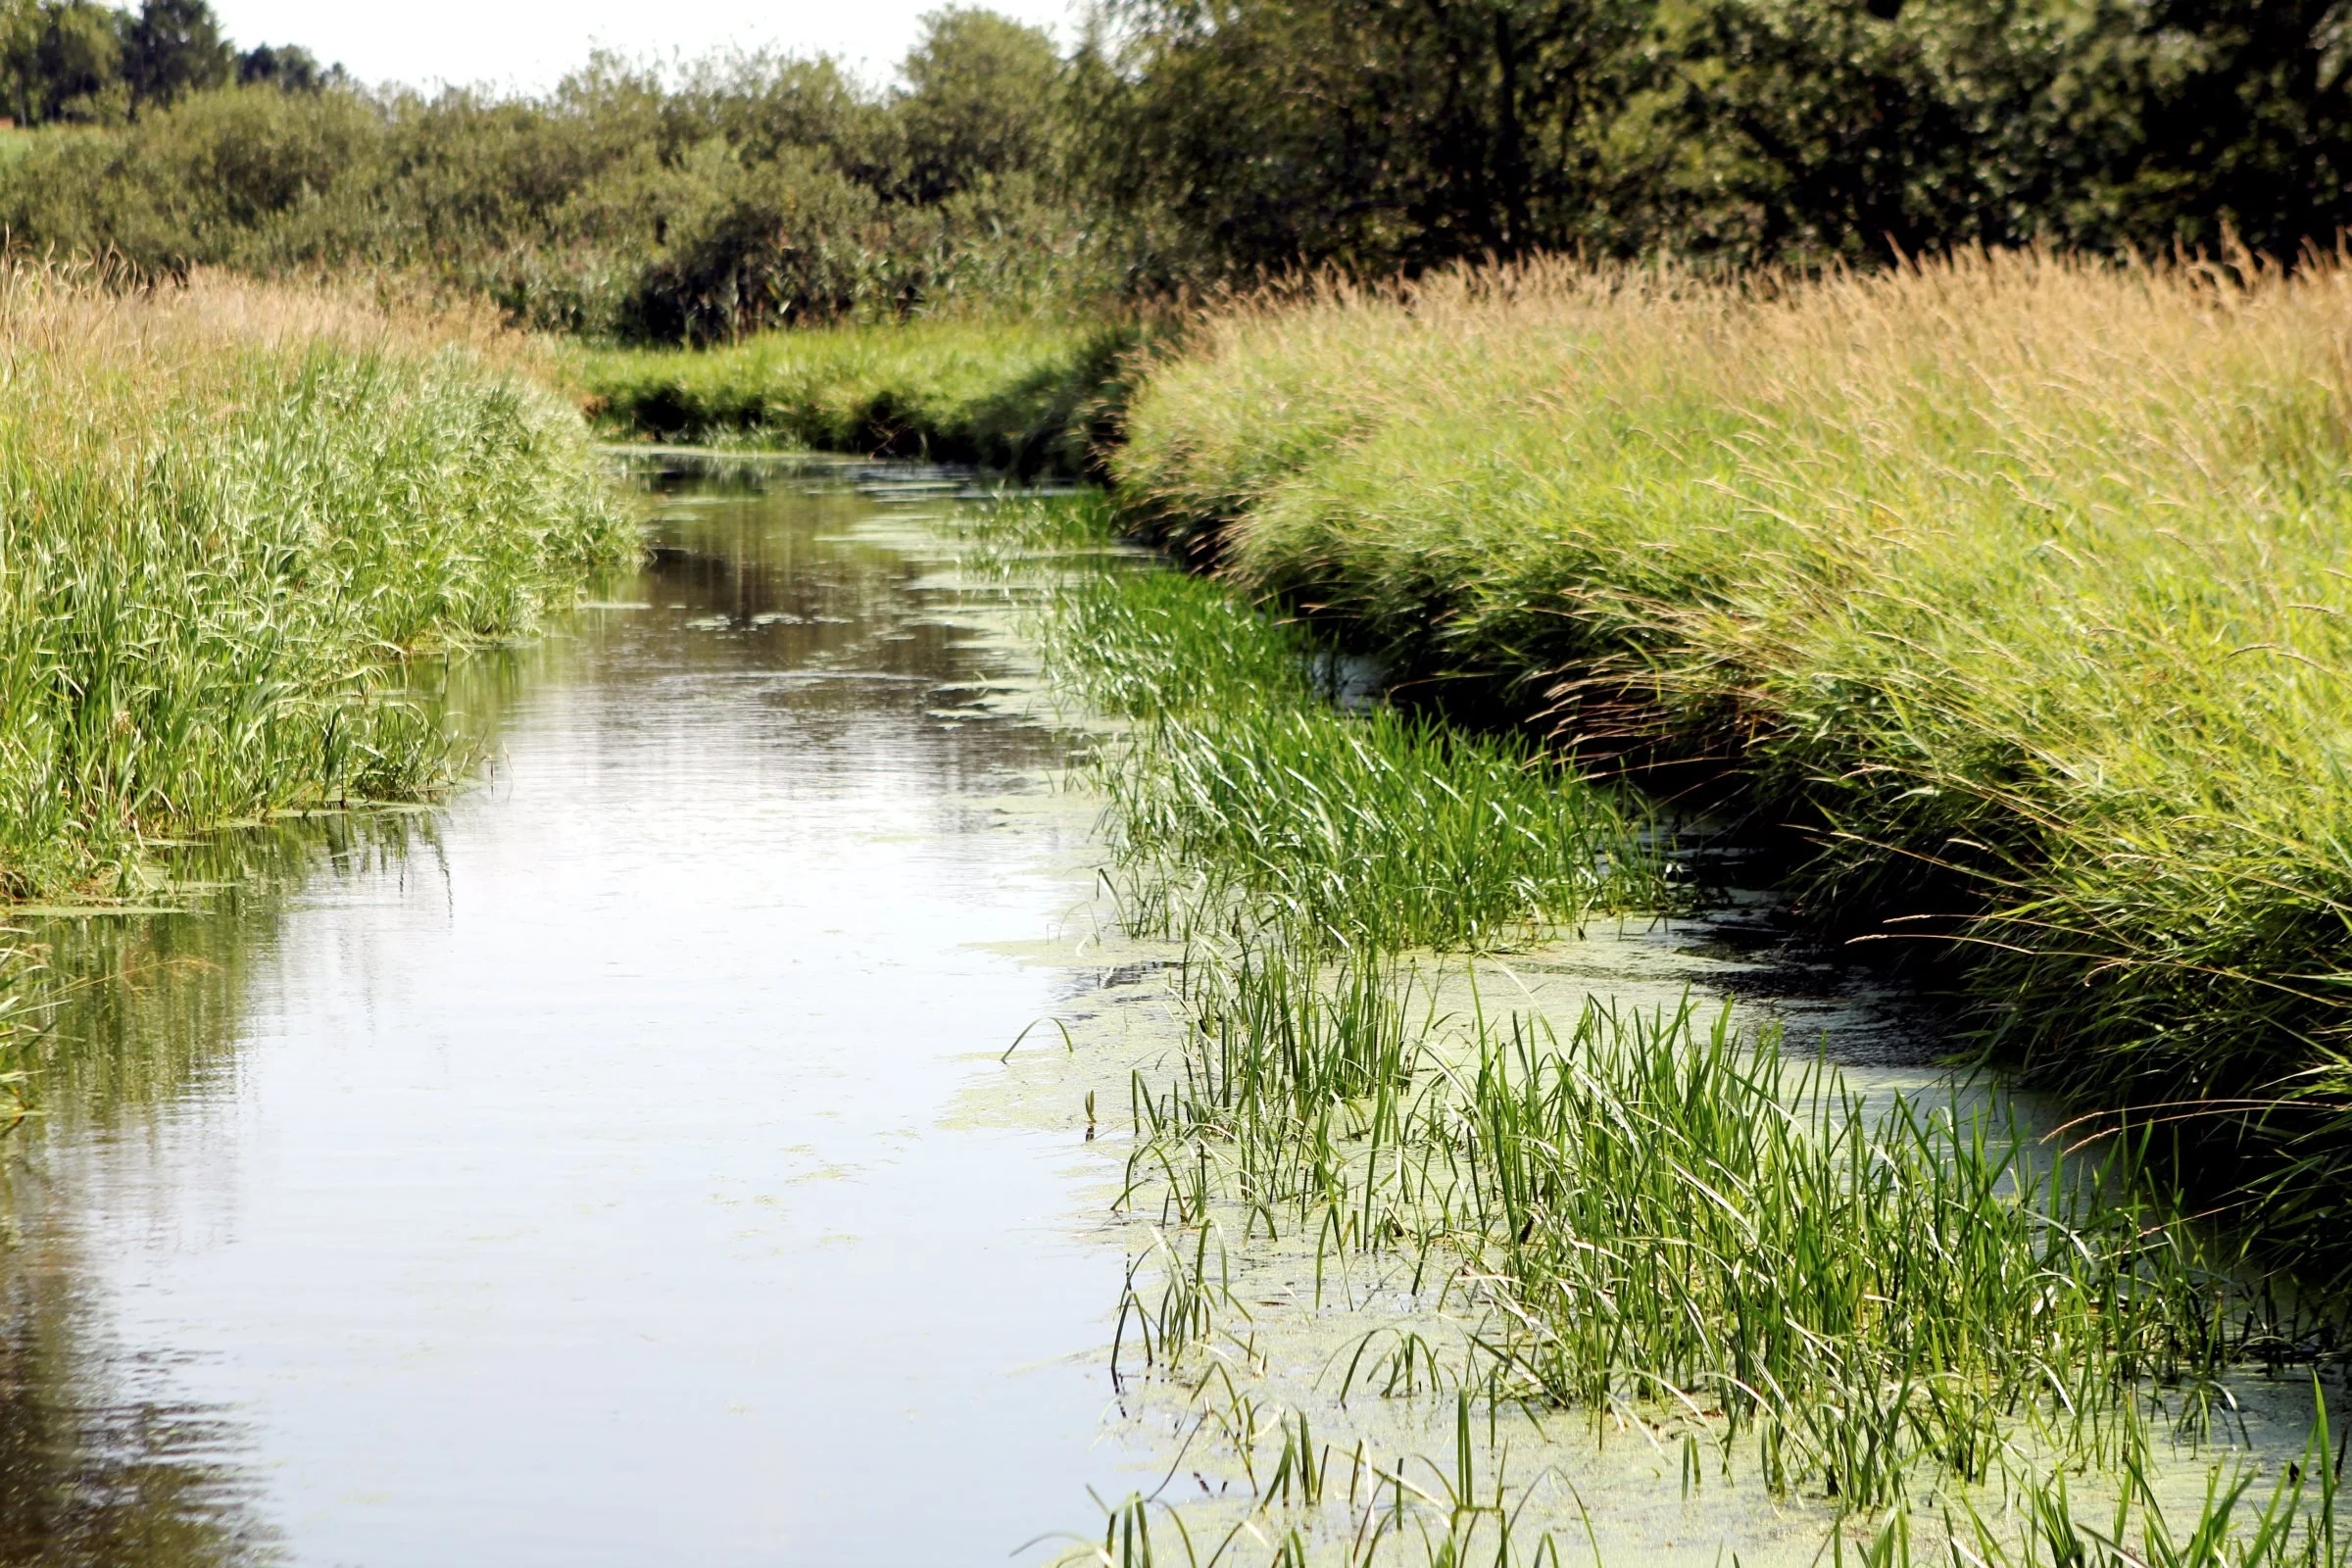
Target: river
{"points": [[574, 1176], [620, 1164]]}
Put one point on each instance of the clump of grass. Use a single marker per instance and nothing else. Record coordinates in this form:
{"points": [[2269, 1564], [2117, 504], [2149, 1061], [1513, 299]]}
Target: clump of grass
{"points": [[1664, 1218], [1387, 830], [1244, 780], [227, 514], [2018, 579], [1025, 395], [1156, 644]]}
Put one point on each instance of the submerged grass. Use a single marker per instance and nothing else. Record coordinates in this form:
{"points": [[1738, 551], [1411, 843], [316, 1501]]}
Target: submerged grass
{"points": [[227, 514], [1022, 395], [1661, 1219], [2018, 580]]}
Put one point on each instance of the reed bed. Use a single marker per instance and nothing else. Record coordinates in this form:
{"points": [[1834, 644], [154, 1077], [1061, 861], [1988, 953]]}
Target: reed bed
{"points": [[1243, 786], [1913, 1313], [227, 514], [1024, 395], [2016, 581], [1657, 1217]]}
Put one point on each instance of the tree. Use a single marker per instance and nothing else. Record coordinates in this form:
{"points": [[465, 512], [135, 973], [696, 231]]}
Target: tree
{"points": [[1859, 132], [284, 66], [174, 47], [75, 70], [981, 95], [2245, 109], [1393, 133]]}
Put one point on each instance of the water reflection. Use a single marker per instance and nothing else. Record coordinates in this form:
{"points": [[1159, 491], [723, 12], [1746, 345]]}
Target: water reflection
{"points": [[568, 1174]]}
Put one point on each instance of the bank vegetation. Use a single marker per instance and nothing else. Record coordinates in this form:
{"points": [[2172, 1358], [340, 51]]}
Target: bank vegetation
{"points": [[2014, 583], [230, 513]]}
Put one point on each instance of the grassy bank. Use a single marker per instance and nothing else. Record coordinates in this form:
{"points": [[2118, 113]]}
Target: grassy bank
{"points": [[1026, 396], [1901, 1312], [2018, 582], [228, 512]]}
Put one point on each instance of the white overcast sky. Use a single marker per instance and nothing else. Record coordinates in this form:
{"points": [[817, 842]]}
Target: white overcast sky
{"points": [[530, 43]]}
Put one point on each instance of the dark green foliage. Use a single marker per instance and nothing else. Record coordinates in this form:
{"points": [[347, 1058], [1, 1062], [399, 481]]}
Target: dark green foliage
{"points": [[172, 48], [288, 66], [970, 113], [62, 60], [1332, 132], [2250, 122], [694, 206], [1256, 136], [80, 61], [1199, 142]]}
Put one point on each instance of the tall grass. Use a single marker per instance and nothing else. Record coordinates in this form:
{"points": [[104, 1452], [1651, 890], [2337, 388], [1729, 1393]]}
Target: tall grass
{"points": [[1242, 784], [1665, 1218], [1022, 394], [1864, 1300], [2019, 580], [227, 514]]}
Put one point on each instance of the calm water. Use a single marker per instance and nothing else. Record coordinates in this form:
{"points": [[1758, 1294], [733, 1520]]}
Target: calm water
{"points": [[570, 1177], [615, 1167]]}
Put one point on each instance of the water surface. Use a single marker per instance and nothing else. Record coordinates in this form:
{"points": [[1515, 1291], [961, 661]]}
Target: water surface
{"points": [[563, 1179], [617, 1166]]}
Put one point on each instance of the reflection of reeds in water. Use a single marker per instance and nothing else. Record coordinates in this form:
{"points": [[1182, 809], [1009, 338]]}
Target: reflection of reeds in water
{"points": [[125, 1011], [95, 1473], [112, 1016], [99, 1467]]}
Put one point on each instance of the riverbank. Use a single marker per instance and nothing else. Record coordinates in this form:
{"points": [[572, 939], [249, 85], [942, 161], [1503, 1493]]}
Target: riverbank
{"points": [[230, 513], [1421, 1128], [2014, 583], [1022, 396]]}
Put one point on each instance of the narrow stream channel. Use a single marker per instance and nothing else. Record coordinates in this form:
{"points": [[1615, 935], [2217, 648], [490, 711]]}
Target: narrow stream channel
{"points": [[616, 1166], [569, 1177]]}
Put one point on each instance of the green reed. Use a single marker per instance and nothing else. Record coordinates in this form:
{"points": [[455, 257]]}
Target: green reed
{"points": [[1659, 1214], [2015, 578], [226, 519], [1243, 781], [1022, 393], [1649, 1217]]}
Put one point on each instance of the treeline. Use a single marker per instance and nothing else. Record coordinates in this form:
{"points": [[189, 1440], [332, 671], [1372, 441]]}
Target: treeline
{"points": [[1402, 133], [738, 193], [76, 61], [1188, 143]]}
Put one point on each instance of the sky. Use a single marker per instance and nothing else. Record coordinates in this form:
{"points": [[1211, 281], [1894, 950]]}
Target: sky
{"points": [[530, 43]]}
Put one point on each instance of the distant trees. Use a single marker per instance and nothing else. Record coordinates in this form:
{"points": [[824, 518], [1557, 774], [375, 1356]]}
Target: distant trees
{"points": [[982, 102], [1372, 133], [1402, 133], [1184, 144], [80, 62], [171, 48], [736, 194], [283, 66]]}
